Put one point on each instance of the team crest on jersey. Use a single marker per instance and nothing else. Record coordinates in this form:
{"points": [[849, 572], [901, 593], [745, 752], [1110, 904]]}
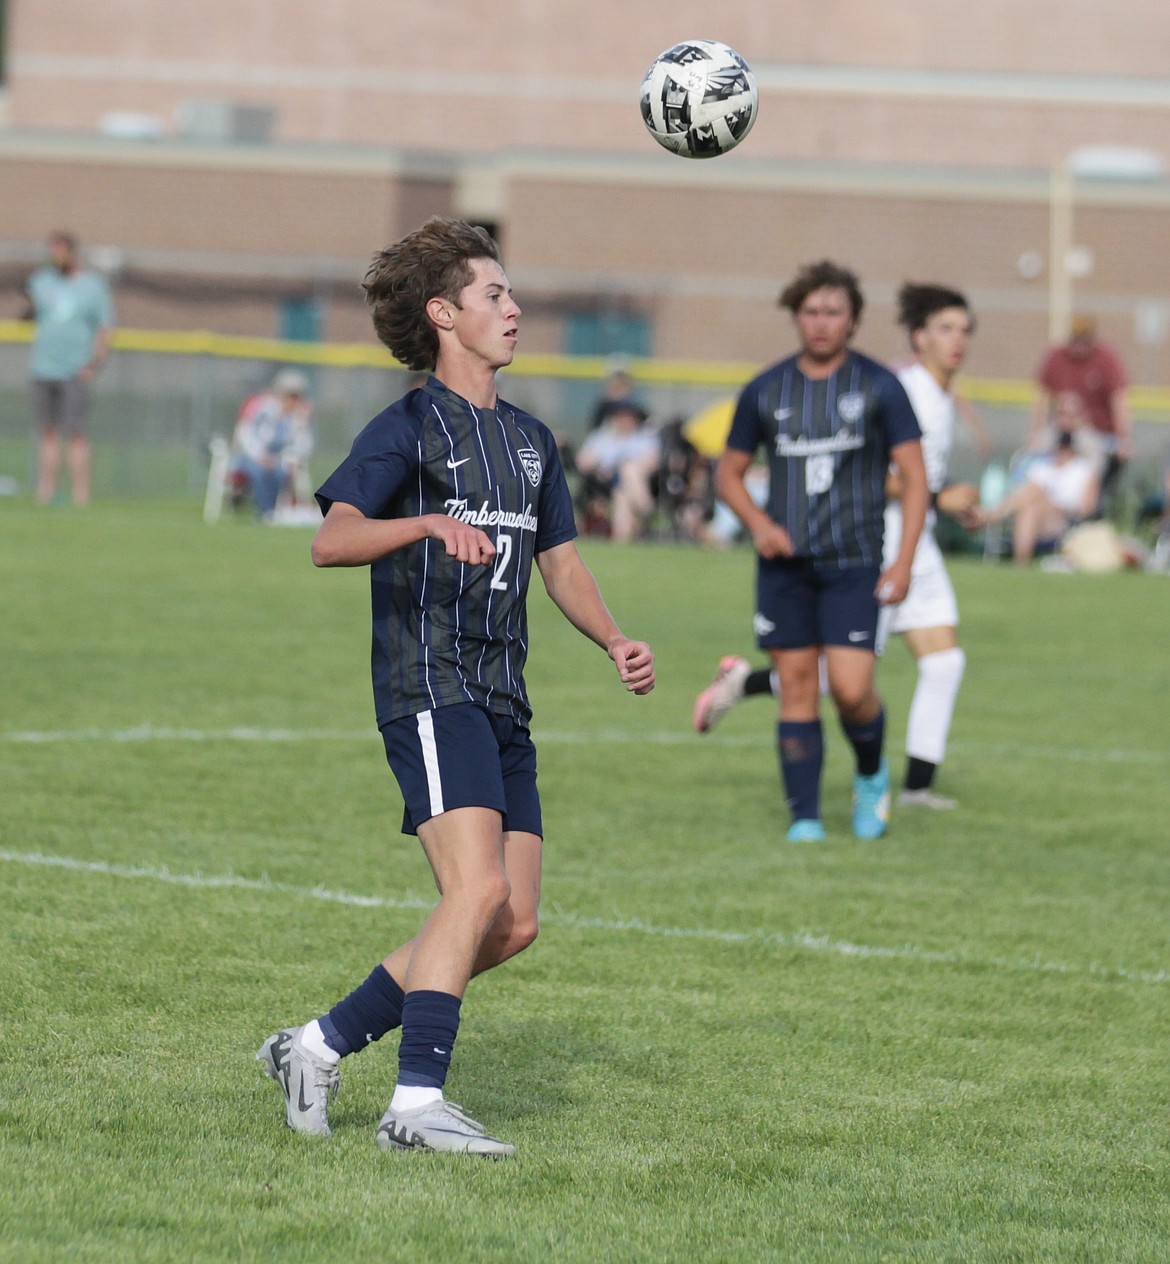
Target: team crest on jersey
{"points": [[530, 459], [850, 406]]}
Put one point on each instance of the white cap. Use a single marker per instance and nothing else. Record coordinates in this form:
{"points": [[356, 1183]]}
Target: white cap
{"points": [[291, 382]]}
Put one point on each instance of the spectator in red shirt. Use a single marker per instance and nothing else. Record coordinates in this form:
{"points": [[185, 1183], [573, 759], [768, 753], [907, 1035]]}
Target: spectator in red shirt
{"points": [[1092, 370]]}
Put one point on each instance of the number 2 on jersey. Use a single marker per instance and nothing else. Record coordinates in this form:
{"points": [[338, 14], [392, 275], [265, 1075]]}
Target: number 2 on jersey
{"points": [[503, 557]]}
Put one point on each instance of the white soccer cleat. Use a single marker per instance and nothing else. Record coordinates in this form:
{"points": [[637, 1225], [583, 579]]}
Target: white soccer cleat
{"points": [[926, 799], [723, 693], [307, 1083], [439, 1125]]}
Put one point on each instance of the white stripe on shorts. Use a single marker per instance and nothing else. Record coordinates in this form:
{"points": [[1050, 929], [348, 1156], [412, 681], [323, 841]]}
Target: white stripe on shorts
{"points": [[430, 754]]}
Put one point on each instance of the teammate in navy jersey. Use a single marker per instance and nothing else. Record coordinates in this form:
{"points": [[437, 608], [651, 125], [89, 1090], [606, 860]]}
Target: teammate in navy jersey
{"points": [[832, 421], [448, 496], [939, 323]]}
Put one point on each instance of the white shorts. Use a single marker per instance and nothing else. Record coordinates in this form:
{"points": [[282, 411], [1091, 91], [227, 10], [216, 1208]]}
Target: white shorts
{"points": [[931, 601]]}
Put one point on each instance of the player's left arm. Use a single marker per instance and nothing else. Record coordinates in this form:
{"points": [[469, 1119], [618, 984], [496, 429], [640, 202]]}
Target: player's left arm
{"points": [[574, 591], [954, 499], [103, 333], [98, 353], [894, 582]]}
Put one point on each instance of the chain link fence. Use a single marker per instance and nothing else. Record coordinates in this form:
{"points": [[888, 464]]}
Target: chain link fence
{"points": [[162, 398]]}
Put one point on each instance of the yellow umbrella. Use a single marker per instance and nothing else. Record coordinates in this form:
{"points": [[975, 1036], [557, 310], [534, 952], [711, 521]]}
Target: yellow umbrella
{"points": [[707, 429]]}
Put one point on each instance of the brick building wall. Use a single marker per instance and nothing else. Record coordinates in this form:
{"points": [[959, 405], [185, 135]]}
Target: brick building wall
{"points": [[999, 82], [910, 140]]}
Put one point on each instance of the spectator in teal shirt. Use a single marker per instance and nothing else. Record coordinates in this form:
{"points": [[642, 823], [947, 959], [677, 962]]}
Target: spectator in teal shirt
{"points": [[74, 319]]}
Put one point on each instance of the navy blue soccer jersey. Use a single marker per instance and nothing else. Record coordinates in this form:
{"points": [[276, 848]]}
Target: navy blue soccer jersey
{"points": [[447, 632], [828, 443]]}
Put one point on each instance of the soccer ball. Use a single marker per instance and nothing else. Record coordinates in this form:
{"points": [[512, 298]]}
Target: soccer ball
{"points": [[699, 99]]}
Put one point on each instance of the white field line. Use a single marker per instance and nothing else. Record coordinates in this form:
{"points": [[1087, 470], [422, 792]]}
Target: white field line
{"points": [[800, 940], [595, 737]]}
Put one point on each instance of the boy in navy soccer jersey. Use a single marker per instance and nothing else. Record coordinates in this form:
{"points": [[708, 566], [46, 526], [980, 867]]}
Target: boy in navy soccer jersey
{"points": [[832, 421], [448, 496]]}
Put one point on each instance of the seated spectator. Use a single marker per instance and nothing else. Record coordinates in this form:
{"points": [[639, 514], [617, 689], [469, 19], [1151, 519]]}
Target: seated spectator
{"points": [[618, 385], [1093, 372], [617, 463], [272, 443], [1068, 415], [1059, 490], [685, 485]]}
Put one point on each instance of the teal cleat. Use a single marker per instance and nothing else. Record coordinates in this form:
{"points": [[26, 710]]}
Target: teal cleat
{"points": [[871, 803], [809, 830]]}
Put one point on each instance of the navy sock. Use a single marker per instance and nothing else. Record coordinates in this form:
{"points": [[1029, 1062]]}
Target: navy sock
{"points": [[802, 753], [430, 1021], [867, 740], [371, 1010]]}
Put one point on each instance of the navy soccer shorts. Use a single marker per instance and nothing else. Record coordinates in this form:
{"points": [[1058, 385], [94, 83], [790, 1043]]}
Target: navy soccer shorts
{"points": [[464, 756], [800, 604]]}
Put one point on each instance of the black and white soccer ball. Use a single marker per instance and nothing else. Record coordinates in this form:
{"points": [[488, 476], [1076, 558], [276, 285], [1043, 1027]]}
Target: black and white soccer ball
{"points": [[699, 99]]}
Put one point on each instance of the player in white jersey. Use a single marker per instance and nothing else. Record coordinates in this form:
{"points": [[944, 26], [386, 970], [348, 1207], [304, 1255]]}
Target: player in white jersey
{"points": [[939, 323]]}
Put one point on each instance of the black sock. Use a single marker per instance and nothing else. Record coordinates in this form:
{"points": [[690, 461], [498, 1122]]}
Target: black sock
{"points": [[760, 681], [919, 774]]}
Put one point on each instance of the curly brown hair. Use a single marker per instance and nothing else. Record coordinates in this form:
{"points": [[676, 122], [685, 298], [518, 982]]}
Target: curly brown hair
{"points": [[432, 262], [819, 276]]}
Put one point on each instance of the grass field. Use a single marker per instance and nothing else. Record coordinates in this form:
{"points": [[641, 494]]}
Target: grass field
{"points": [[949, 1045]]}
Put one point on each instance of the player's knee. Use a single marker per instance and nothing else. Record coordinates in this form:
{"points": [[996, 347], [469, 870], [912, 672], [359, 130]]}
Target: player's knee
{"points": [[495, 893], [508, 936], [524, 932], [480, 898], [520, 935], [801, 689], [944, 668], [854, 701]]}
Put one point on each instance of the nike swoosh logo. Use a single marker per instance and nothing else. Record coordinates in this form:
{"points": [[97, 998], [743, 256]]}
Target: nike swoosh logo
{"points": [[859, 636], [454, 465], [782, 414], [302, 1105]]}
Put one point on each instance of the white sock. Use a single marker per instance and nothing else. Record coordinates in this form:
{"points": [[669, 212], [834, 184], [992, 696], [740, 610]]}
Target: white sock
{"points": [[313, 1040], [939, 678], [412, 1096]]}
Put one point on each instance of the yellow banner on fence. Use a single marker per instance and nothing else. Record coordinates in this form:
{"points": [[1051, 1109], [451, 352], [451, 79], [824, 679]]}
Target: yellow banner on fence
{"points": [[1148, 403]]}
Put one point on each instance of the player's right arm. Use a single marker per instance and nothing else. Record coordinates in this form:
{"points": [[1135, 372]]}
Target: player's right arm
{"points": [[770, 538], [348, 538]]}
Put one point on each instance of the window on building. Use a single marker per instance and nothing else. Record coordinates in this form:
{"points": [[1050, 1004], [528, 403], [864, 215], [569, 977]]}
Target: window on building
{"points": [[607, 333], [300, 318]]}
